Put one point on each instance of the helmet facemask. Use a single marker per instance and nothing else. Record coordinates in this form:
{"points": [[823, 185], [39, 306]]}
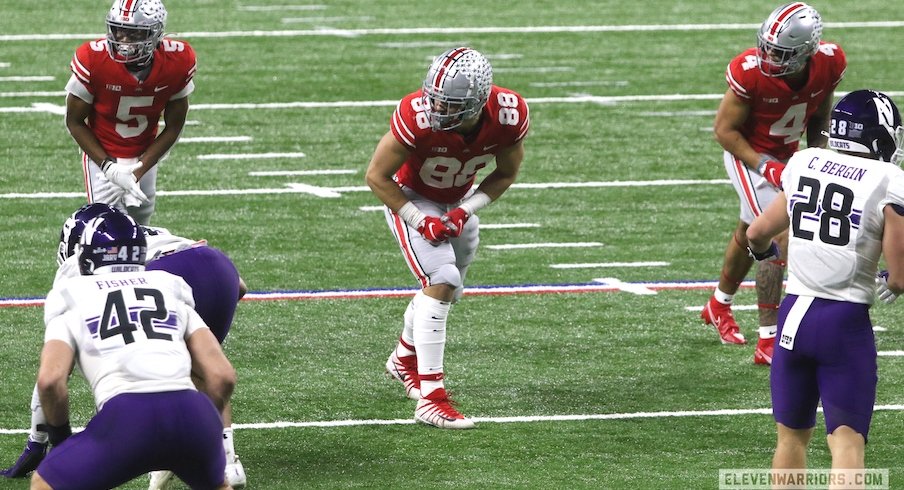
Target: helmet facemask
{"points": [[787, 39], [134, 29], [456, 88]]}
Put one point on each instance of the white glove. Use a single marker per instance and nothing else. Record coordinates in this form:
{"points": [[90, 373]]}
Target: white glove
{"points": [[123, 176], [898, 155], [882, 290]]}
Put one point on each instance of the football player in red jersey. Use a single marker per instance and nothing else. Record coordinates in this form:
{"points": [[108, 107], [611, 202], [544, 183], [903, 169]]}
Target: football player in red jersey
{"points": [[120, 86], [776, 91], [423, 170]]}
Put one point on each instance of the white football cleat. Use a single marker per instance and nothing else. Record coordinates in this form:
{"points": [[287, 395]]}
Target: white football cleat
{"points": [[159, 479], [404, 370], [436, 409], [235, 474]]}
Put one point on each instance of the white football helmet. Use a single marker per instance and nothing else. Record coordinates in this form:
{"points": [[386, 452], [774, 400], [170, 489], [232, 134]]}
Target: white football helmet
{"points": [[456, 88], [787, 39], [134, 29]]}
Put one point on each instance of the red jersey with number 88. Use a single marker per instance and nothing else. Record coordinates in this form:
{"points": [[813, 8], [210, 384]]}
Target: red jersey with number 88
{"points": [[127, 111], [443, 165], [778, 114]]}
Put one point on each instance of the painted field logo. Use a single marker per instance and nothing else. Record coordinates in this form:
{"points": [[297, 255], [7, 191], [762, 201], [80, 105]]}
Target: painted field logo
{"points": [[765, 478]]}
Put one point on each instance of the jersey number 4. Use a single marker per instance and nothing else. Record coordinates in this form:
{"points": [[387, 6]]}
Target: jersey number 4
{"points": [[117, 321]]}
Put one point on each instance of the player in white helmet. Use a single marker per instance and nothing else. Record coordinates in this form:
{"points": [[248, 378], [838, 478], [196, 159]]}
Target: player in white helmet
{"points": [[423, 170], [113, 113], [776, 91]]}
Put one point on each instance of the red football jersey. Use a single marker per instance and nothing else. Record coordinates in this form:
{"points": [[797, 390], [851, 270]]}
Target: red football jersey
{"points": [[127, 111], [779, 115], [443, 165]]}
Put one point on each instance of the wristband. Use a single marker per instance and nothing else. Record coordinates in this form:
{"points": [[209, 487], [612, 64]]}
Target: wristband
{"points": [[104, 165], [56, 434], [475, 202], [762, 165], [411, 214]]}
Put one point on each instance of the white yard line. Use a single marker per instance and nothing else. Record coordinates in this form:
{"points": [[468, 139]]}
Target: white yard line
{"points": [[279, 8], [249, 156], [288, 173], [432, 31], [363, 188], [506, 226], [516, 246], [28, 79], [215, 139], [598, 265], [520, 419]]}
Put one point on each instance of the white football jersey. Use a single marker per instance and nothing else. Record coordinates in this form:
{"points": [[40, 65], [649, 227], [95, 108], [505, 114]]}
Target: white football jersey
{"points": [[128, 330], [836, 204]]}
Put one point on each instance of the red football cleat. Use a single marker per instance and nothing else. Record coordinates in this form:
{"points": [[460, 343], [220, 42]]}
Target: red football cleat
{"points": [[404, 370], [763, 352], [436, 409], [720, 317]]}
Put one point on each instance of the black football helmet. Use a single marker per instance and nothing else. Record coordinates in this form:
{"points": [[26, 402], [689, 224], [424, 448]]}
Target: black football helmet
{"points": [[865, 122]]}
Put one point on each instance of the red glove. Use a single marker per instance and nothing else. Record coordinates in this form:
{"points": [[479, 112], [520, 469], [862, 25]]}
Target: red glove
{"points": [[434, 230], [455, 220], [772, 170]]}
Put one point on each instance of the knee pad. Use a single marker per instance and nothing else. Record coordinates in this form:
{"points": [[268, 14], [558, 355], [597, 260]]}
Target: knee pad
{"points": [[446, 274]]}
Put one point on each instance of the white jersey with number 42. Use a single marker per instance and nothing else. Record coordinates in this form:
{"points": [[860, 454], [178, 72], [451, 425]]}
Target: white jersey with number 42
{"points": [[128, 330]]}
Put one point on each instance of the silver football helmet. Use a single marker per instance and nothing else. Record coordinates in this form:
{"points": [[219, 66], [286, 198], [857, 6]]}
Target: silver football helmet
{"points": [[456, 88], [787, 39], [134, 29]]}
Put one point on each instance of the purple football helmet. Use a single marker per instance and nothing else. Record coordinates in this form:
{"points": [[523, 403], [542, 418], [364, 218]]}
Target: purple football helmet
{"points": [[75, 225], [865, 121], [112, 243]]}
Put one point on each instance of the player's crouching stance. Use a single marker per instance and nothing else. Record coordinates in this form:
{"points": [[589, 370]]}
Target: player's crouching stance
{"points": [[843, 210], [136, 337], [423, 170]]}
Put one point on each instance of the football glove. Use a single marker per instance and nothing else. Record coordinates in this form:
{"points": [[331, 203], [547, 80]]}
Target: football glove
{"points": [[771, 169], [882, 291], [455, 220], [898, 155], [769, 254], [122, 175], [434, 230]]}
